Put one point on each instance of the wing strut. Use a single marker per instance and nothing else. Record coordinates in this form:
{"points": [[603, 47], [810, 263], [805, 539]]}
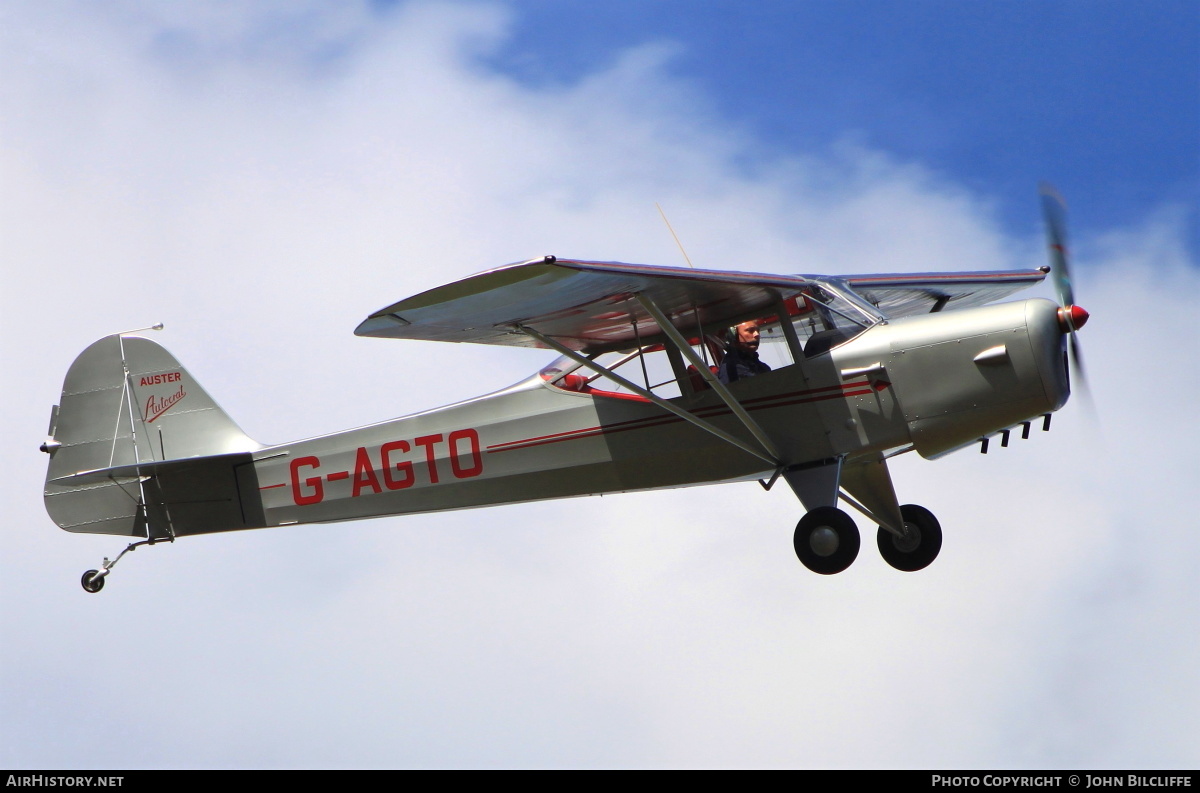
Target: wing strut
{"points": [[657, 400], [681, 343]]}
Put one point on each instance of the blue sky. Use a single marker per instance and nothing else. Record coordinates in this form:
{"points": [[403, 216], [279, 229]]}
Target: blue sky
{"points": [[260, 177], [1101, 97]]}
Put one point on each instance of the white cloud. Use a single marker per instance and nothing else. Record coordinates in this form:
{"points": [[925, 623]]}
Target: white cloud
{"points": [[267, 182]]}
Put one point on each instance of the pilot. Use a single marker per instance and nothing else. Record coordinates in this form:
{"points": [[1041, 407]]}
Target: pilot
{"points": [[741, 354]]}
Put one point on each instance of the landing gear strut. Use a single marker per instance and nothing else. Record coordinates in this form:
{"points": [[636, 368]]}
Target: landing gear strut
{"points": [[93, 580], [826, 540], [920, 544]]}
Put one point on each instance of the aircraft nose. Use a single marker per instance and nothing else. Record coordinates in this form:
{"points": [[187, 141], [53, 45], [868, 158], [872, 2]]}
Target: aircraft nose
{"points": [[1071, 318]]}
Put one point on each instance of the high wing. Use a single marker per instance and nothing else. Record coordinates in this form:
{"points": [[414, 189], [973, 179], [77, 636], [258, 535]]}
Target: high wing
{"points": [[586, 306], [593, 306], [902, 295]]}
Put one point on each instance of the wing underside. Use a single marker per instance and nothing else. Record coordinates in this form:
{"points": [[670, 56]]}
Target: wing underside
{"points": [[594, 306], [586, 306], [920, 293]]}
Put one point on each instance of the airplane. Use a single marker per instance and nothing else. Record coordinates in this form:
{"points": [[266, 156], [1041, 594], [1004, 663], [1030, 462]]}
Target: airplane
{"points": [[868, 367]]}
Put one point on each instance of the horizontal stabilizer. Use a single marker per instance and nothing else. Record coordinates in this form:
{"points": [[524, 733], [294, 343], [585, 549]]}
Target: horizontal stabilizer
{"points": [[143, 470], [129, 410]]}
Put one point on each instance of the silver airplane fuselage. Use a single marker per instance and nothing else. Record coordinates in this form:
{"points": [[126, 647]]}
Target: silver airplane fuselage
{"points": [[932, 383], [138, 448]]}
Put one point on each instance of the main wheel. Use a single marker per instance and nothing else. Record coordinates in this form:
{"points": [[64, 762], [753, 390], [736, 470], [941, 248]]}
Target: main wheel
{"points": [[826, 540], [92, 581], [920, 544]]}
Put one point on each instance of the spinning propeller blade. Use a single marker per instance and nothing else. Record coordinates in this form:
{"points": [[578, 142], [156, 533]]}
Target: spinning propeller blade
{"points": [[1054, 210], [1071, 316]]}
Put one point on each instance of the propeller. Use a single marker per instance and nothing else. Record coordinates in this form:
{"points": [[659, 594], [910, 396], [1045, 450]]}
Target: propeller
{"points": [[1070, 316]]}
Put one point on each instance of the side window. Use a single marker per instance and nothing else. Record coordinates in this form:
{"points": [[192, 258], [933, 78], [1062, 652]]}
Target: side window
{"points": [[773, 349], [649, 369]]}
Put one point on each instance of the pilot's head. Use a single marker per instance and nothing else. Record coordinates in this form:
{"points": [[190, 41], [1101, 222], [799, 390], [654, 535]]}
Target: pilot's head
{"points": [[745, 335]]}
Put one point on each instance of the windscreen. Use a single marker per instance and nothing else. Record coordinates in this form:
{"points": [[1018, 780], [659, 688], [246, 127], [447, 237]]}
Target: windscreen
{"points": [[824, 315]]}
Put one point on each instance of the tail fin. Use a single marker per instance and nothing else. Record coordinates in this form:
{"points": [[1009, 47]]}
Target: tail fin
{"points": [[131, 426]]}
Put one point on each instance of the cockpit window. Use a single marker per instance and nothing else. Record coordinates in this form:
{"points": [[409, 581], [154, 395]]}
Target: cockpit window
{"points": [[824, 316]]}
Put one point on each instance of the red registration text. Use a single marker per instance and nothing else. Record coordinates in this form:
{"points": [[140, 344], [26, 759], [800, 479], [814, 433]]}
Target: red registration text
{"points": [[393, 466]]}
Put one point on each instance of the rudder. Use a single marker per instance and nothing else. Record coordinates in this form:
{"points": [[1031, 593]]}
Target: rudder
{"points": [[126, 401]]}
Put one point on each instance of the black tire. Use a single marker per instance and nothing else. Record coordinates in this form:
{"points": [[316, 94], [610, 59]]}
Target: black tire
{"points": [[920, 548], [92, 581], [826, 540]]}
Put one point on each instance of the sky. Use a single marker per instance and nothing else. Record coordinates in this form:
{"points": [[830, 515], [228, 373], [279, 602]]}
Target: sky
{"points": [[260, 177]]}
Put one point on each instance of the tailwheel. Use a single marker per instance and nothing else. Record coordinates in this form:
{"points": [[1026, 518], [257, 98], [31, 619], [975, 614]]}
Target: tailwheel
{"points": [[826, 540], [920, 544], [93, 581]]}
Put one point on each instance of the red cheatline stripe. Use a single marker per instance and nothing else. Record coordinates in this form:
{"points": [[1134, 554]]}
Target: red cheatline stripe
{"points": [[584, 432], [800, 393], [857, 388], [600, 428], [268, 487], [814, 395], [579, 434]]}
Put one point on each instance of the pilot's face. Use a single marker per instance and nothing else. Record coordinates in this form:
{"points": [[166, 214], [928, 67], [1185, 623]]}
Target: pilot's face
{"points": [[747, 335]]}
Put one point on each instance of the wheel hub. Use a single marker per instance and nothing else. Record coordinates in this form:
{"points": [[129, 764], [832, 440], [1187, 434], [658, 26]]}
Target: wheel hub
{"points": [[911, 539], [823, 541]]}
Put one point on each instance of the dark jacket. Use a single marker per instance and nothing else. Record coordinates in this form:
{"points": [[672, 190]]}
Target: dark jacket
{"points": [[739, 364]]}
